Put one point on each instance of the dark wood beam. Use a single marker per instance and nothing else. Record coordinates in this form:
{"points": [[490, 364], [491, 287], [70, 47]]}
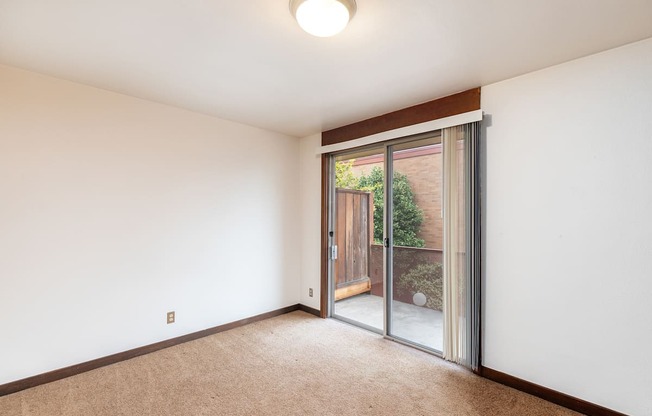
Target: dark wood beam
{"points": [[451, 105]]}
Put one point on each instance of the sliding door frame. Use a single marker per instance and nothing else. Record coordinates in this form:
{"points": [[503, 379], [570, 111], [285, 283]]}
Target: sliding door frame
{"points": [[388, 238], [332, 236], [388, 235], [324, 296], [387, 149]]}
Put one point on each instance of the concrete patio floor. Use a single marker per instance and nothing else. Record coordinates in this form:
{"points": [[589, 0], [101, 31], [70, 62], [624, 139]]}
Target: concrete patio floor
{"points": [[413, 323]]}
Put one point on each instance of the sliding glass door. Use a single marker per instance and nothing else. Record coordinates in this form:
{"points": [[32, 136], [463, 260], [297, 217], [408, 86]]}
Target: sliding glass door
{"points": [[357, 266], [415, 242], [403, 237]]}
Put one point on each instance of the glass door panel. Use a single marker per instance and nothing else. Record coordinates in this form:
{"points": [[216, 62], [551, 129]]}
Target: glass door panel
{"points": [[357, 226], [415, 239]]}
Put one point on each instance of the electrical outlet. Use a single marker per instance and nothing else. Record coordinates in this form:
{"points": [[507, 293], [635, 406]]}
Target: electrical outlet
{"points": [[310, 292], [171, 317]]}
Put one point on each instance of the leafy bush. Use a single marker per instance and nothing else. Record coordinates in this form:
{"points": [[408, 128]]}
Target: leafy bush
{"points": [[426, 278], [407, 216], [344, 177]]}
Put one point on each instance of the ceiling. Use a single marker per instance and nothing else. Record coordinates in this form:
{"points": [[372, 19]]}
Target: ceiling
{"points": [[248, 60]]}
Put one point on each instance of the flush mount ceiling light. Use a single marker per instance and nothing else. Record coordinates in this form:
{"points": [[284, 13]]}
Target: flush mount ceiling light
{"points": [[323, 18]]}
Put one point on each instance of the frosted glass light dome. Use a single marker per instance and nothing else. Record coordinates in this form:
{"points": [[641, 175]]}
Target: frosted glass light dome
{"points": [[323, 18]]}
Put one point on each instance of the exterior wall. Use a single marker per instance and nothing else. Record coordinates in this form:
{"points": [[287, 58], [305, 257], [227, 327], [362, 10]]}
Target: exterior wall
{"points": [[405, 259]]}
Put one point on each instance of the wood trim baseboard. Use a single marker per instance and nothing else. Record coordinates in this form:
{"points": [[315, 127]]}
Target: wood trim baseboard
{"points": [[310, 310], [451, 105], [26, 383], [545, 393]]}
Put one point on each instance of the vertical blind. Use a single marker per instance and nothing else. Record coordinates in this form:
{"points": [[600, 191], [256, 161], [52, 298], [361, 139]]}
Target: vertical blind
{"points": [[461, 245]]}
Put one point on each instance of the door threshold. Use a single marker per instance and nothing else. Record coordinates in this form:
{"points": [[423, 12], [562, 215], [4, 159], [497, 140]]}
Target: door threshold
{"points": [[357, 324]]}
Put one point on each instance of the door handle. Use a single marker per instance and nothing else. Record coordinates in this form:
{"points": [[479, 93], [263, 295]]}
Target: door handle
{"points": [[386, 242]]}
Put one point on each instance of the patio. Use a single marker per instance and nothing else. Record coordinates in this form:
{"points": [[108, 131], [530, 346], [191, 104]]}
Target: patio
{"points": [[413, 323]]}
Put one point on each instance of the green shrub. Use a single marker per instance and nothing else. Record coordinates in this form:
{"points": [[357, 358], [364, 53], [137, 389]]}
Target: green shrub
{"points": [[407, 216], [426, 278], [344, 177]]}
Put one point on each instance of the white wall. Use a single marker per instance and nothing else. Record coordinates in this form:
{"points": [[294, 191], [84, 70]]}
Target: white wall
{"points": [[310, 220], [568, 281], [116, 210]]}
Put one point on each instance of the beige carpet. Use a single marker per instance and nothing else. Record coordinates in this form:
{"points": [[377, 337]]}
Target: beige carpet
{"points": [[294, 364]]}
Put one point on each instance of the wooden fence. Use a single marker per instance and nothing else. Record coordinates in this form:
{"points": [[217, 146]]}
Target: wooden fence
{"points": [[354, 235]]}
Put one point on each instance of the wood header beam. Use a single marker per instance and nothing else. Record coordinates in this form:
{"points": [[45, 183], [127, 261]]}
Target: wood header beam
{"points": [[451, 105]]}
